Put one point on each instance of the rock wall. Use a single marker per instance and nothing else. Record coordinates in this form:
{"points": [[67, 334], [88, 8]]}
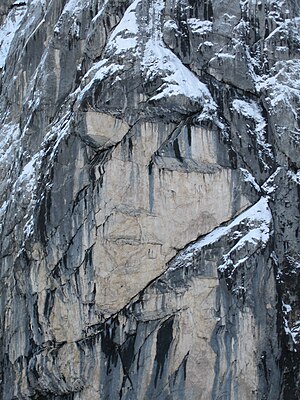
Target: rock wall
{"points": [[149, 199]]}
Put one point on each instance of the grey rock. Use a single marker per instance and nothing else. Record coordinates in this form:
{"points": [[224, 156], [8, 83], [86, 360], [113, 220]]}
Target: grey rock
{"points": [[149, 200]]}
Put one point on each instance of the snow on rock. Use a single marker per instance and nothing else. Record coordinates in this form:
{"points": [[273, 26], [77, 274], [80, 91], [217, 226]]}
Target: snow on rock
{"points": [[250, 110], [3, 209], [142, 45], [295, 177], [248, 177], [294, 330], [124, 37], [23, 184], [20, 184], [269, 186], [72, 9], [178, 80], [159, 61], [171, 25], [200, 27], [9, 146], [73, 6], [26, 181], [8, 31], [250, 231], [283, 87], [99, 72]]}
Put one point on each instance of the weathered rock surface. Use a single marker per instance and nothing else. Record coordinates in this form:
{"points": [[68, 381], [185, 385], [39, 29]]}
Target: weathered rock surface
{"points": [[149, 199]]}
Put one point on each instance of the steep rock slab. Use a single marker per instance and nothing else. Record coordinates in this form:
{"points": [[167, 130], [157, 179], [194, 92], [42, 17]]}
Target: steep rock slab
{"points": [[128, 130]]}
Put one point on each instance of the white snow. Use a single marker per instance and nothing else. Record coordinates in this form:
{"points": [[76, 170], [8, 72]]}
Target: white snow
{"points": [[8, 31], [121, 44], [159, 61], [128, 23], [101, 11], [144, 43], [100, 71], [122, 40], [73, 6], [269, 186], [257, 219], [248, 177], [208, 44], [295, 330], [250, 110], [178, 80], [124, 37], [171, 25], [28, 228], [9, 148], [295, 177], [283, 85], [292, 332], [286, 307], [9, 134], [73, 9], [22, 186], [27, 178], [200, 26], [35, 2], [3, 209]]}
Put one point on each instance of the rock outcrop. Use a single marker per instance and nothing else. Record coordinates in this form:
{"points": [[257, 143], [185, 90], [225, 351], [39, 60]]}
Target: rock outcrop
{"points": [[149, 199]]}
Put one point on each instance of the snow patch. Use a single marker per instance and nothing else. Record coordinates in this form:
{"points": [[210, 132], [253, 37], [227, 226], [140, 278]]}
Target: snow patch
{"points": [[178, 80], [73, 7], [294, 331], [199, 26], [250, 110], [100, 71], [248, 177], [257, 220], [144, 42], [122, 40], [8, 31], [27, 178], [283, 87], [3, 209], [124, 37], [294, 176], [269, 185]]}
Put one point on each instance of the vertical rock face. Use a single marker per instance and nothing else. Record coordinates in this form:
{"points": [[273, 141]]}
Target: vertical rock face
{"points": [[149, 199]]}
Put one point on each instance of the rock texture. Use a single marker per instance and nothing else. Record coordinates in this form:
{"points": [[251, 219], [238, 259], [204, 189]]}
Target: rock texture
{"points": [[149, 199]]}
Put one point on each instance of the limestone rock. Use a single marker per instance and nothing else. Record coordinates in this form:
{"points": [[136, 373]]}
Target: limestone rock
{"points": [[149, 199]]}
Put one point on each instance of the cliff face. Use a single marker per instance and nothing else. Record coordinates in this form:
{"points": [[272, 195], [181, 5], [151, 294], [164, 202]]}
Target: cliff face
{"points": [[149, 199]]}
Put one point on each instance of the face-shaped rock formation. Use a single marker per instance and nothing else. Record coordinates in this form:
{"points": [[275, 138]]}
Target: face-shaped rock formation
{"points": [[149, 199]]}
